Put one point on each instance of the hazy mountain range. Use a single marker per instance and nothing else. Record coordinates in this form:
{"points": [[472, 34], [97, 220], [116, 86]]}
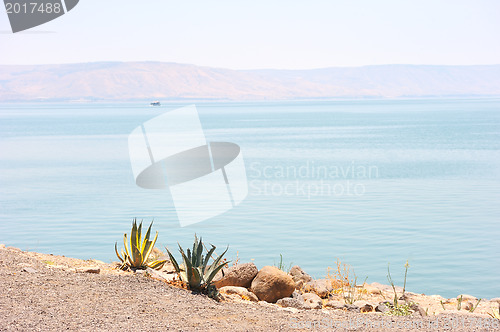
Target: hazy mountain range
{"points": [[117, 81]]}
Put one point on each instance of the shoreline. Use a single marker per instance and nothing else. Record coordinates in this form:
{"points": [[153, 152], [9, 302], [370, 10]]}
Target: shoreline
{"points": [[44, 291]]}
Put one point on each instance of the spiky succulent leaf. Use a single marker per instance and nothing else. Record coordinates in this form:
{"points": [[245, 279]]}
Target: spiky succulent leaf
{"points": [[172, 259], [157, 264], [207, 257], [117, 254], [146, 238], [136, 249], [148, 248], [211, 274]]}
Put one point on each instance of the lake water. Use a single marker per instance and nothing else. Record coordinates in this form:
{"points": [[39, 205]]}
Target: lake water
{"points": [[368, 182]]}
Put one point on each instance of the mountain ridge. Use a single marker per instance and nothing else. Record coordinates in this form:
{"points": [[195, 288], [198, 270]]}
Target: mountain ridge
{"points": [[112, 81]]}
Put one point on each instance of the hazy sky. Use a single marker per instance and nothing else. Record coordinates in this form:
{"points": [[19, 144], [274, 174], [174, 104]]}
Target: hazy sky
{"points": [[264, 34]]}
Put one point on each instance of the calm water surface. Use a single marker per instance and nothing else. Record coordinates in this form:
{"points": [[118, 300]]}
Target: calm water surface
{"points": [[368, 182]]}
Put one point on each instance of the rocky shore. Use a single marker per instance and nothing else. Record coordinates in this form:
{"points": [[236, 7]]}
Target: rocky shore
{"points": [[40, 292]]}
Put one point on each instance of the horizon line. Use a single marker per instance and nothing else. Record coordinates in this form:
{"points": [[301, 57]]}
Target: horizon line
{"points": [[255, 69]]}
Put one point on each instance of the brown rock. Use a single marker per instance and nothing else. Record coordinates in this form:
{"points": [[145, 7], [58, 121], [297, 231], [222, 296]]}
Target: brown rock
{"points": [[335, 304], [418, 309], [272, 284], [363, 306], [370, 289], [289, 302], [312, 301], [322, 287], [241, 291], [299, 276], [467, 306], [240, 275], [92, 269], [383, 307]]}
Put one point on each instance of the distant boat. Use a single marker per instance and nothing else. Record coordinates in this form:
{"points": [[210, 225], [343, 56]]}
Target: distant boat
{"points": [[155, 103]]}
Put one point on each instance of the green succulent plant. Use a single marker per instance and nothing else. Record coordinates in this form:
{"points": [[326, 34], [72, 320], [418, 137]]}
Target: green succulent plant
{"points": [[137, 250], [196, 272]]}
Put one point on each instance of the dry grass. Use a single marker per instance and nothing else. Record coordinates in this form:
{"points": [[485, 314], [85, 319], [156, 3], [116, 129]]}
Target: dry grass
{"points": [[344, 282]]}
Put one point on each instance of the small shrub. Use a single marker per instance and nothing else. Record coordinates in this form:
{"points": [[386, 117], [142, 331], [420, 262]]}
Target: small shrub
{"points": [[195, 271], [344, 282], [404, 309], [137, 250]]}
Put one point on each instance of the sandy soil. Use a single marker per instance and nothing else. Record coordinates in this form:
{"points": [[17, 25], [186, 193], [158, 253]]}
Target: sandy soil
{"points": [[40, 292]]}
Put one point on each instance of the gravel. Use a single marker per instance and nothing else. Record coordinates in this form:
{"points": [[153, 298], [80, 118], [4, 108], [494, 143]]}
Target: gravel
{"points": [[43, 293]]}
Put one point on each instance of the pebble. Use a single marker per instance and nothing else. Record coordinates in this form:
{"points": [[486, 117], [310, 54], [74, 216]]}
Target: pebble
{"points": [[92, 269], [29, 270], [382, 307]]}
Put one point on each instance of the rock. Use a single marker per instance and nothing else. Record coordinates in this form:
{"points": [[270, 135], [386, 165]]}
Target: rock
{"points": [[363, 306], [168, 267], [335, 304], [297, 295], [437, 298], [13, 249], [312, 301], [289, 302], [495, 299], [467, 306], [352, 307], [87, 269], [241, 291], [418, 309], [156, 274], [383, 307], [29, 270], [370, 289], [387, 288], [240, 275], [322, 287], [466, 297], [299, 276], [271, 284], [2, 246]]}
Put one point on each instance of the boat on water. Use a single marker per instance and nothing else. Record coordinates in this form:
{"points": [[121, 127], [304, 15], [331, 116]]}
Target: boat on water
{"points": [[155, 103]]}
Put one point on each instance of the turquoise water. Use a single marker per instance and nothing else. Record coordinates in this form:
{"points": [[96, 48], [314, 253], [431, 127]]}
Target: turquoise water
{"points": [[369, 182]]}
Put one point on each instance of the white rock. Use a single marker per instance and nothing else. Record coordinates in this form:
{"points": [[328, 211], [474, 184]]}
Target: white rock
{"points": [[241, 291]]}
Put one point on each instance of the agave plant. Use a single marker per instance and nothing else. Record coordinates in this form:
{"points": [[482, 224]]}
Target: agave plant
{"points": [[196, 272], [137, 250]]}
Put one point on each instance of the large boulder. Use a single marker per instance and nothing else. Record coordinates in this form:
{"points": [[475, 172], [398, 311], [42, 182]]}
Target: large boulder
{"points": [[299, 276], [272, 284], [240, 275]]}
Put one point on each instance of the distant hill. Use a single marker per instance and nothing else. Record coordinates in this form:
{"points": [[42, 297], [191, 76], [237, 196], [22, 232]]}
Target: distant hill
{"points": [[156, 80]]}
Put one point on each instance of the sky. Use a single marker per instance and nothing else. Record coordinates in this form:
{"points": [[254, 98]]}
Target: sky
{"points": [[264, 34]]}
